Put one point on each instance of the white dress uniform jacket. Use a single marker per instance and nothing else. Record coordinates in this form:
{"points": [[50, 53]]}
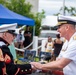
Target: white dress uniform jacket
{"points": [[69, 51]]}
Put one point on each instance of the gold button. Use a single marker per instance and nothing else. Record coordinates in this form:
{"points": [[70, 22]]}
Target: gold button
{"points": [[25, 69], [21, 70]]}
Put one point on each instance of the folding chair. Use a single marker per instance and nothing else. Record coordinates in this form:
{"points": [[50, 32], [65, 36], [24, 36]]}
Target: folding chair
{"points": [[45, 55]]}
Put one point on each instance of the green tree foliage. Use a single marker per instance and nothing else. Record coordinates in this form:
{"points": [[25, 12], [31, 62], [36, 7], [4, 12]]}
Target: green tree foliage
{"points": [[23, 8], [71, 11], [2, 1], [38, 19]]}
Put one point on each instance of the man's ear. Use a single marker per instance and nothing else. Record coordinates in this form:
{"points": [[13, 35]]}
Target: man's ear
{"points": [[67, 27]]}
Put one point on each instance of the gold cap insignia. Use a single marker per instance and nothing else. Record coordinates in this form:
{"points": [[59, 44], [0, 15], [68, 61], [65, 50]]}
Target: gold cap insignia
{"points": [[59, 23]]}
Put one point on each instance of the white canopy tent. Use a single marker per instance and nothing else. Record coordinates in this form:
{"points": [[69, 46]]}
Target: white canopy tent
{"points": [[49, 21]]}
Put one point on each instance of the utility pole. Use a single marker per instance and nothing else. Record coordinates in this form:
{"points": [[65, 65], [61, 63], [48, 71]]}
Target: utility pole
{"points": [[63, 7]]}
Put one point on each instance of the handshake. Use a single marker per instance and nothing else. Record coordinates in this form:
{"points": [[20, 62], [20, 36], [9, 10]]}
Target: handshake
{"points": [[38, 66], [35, 65]]}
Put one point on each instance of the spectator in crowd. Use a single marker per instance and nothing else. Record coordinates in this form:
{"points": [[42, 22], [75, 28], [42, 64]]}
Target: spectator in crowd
{"points": [[7, 66], [67, 57], [48, 45], [57, 45], [27, 37], [12, 49], [19, 40]]}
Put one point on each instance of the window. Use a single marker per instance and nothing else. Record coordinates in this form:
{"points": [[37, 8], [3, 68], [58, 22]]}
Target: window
{"points": [[45, 35]]}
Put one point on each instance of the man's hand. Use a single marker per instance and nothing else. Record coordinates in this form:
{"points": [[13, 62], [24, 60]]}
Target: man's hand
{"points": [[36, 65]]}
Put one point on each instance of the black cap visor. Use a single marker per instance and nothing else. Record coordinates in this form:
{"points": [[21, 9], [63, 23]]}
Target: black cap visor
{"points": [[12, 32]]}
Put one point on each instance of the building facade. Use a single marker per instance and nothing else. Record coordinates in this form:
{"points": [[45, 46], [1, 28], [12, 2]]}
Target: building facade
{"points": [[35, 5]]}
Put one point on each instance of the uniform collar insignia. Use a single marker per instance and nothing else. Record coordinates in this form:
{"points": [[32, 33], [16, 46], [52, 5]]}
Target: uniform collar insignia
{"points": [[63, 50], [74, 37]]}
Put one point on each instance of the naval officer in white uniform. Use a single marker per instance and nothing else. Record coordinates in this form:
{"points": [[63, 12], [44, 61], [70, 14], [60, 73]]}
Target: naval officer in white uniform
{"points": [[67, 58]]}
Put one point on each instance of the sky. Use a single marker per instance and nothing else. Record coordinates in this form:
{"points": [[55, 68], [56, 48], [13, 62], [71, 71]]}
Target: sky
{"points": [[53, 6]]}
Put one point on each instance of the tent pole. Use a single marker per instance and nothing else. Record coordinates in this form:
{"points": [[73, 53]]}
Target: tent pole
{"points": [[33, 34], [33, 30]]}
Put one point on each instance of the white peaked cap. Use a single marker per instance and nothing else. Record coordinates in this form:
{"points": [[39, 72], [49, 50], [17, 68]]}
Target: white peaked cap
{"points": [[66, 20], [6, 27], [71, 18]]}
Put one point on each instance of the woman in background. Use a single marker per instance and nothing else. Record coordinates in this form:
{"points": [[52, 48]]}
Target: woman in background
{"points": [[57, 45], [48, 45], [27, 36]]}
